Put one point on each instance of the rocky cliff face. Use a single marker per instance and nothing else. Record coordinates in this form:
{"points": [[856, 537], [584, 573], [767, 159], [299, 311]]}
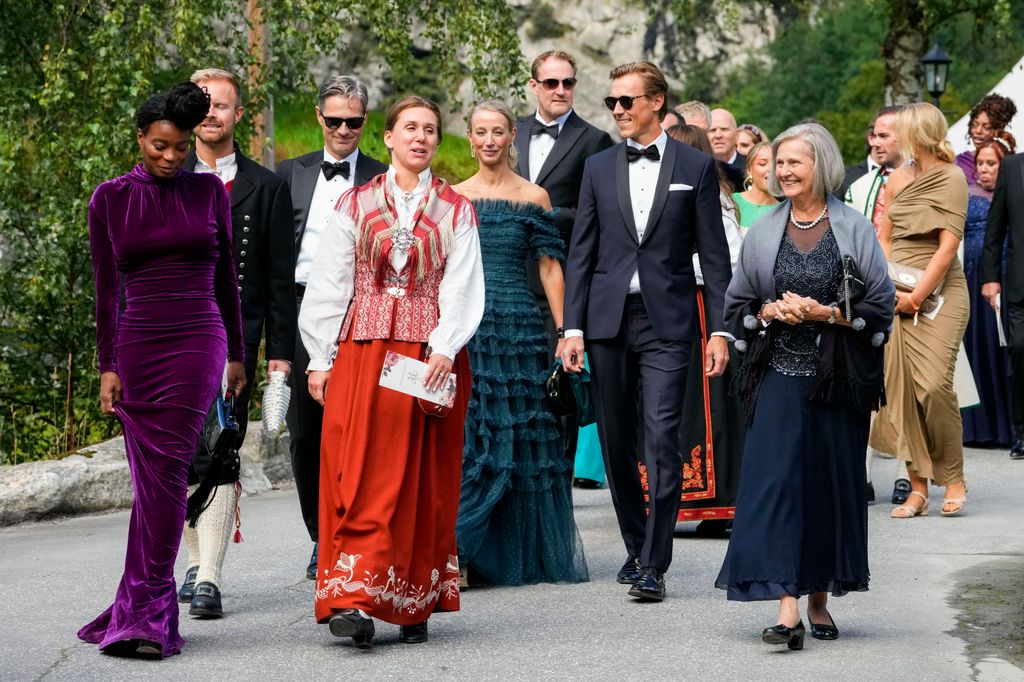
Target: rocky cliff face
{"points": [[604, 33], [692, 49]]}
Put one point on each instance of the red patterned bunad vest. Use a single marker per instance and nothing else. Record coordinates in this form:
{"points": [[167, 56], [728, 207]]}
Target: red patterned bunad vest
{"points": [[400, 306]]}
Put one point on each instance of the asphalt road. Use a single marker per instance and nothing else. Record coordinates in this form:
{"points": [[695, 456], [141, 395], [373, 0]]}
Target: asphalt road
{"points": [[55, 576]]}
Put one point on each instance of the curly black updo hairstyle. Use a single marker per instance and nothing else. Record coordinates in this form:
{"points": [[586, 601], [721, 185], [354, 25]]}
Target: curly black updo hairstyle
{"points": [[185, 105], [1000, 110]]}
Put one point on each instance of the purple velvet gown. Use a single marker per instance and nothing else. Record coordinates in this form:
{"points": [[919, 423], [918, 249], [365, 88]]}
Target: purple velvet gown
{"points": [[166, 245]]}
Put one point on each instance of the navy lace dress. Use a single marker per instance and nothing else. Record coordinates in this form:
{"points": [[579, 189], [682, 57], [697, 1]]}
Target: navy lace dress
{"points": [[801, 513], [516, 520], [988, 423]]}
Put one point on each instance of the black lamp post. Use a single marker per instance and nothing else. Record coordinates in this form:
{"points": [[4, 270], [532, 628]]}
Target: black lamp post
{"points": [[936, 70]]}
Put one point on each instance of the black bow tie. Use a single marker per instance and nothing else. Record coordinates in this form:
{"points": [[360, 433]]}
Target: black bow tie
{"points": [[541, 129], [634, 154], [338, 168]]}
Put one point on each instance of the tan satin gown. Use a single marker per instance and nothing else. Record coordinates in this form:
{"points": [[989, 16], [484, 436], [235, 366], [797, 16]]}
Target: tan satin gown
{"points": [[921, 421]]}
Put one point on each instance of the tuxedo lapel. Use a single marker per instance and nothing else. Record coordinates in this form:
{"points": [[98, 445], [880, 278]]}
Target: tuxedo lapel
{"points": [[668, 162], [523, 147], [622, 190], [570, 133], [363, 173]]}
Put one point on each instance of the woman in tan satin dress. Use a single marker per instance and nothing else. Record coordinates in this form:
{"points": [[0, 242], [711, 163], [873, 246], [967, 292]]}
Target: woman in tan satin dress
{"points": [[924, 224]]}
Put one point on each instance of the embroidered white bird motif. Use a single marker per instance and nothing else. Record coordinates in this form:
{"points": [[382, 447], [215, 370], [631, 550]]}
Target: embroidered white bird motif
{"points": [[347, 562]]}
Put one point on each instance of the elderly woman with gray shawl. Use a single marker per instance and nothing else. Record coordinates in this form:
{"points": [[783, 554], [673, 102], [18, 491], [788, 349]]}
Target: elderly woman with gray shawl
{"points": [[812, 296]]}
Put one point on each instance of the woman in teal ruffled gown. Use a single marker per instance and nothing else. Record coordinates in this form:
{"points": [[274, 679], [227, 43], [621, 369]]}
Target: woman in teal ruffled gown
{"points": [[515, 521]]}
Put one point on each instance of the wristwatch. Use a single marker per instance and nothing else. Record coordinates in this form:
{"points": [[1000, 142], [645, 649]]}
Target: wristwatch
{"points": [[561, 332], [832, 315]]}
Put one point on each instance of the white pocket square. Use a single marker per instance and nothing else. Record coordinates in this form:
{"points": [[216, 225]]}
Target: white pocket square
{"points": [[678, 186]]}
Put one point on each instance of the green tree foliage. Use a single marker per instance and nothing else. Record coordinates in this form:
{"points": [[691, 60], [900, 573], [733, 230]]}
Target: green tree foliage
{"points": [[72, 73], [831, 67]]}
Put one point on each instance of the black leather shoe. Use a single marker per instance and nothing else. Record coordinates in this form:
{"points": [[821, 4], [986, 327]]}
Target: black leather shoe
{"points": [[900, 491], [311, 568], [1017, 449], [780, 634], [824, 631], [413, 634], [348, 623], [650, 586], [188, 588], [206, 601], [586, 483], [870, 493], [630, 572]]}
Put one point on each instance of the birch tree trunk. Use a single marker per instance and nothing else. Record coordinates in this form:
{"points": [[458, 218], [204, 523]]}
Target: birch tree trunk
{"points": [[904, 46]]}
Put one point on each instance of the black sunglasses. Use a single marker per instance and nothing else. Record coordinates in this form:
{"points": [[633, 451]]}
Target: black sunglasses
{"points": [[625, 100], [334, 122], [552, 83]]}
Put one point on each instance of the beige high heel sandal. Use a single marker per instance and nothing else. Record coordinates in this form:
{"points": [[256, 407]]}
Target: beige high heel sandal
{"points": [[909, 511]]}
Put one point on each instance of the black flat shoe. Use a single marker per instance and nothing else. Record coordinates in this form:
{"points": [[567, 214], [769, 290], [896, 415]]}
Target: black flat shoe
{"points": [[586, 483], [780, 634], [629, 573], [311, 567], [713, 528], [1017, 449], [188, 588], [348, 623], [870, 492], [650, 586], [900, 491], [413, 634], [206, 601]]}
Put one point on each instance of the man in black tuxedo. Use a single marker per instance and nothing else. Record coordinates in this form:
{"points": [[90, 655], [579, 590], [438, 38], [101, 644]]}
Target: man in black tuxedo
{"points": [[317, 180], [263, 248], [630, 292], [551, 146], [1007, 216]]}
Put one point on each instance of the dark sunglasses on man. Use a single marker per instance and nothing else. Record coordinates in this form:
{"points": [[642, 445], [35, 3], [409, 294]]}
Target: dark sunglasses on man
{"points": [[334, 122], [625, 100], [552, 83]]}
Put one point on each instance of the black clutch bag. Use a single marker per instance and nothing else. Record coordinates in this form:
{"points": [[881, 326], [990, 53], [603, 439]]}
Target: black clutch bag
{"points": [[217, 443], [851, 289], [569, 393]]}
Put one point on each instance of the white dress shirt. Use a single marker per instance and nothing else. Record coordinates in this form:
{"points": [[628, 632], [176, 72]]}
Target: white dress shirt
{"points": [[332, 281], [321, 209], [643, 181], [227, 167], [733, 235], [541, 144]]}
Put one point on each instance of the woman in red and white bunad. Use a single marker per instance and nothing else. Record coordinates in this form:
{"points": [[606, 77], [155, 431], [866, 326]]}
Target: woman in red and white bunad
{"points": [[399, 270]]}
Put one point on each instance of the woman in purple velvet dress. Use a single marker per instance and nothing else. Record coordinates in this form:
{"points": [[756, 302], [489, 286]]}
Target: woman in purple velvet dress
{"points": [[989, 116], [161, 243]]}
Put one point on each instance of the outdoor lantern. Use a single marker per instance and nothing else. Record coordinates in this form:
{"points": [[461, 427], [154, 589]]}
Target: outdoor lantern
{"points": [[936, 69]]}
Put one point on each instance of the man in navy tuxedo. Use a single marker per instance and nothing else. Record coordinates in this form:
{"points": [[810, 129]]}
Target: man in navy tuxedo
{"points": [[630, 295]]}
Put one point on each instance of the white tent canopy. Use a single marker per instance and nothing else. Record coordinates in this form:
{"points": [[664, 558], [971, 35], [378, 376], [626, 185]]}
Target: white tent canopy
{"points": [[1012, 86]]}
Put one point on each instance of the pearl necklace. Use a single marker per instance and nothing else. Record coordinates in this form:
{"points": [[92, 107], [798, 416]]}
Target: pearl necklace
{"points": [[806, 226]]}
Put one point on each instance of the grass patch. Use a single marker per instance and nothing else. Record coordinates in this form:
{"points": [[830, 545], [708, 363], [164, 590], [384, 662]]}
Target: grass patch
{"points": [[297, 133]]}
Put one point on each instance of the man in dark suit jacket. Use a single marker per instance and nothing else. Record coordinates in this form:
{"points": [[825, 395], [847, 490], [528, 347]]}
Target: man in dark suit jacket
{"points": [[316, 181], [261, 231], [1006, 218], [630, 292]]}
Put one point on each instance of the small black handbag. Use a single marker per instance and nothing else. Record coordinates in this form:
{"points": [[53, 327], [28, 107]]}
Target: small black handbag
{"points": [[851, 289], [217, 444], [569, 393]]}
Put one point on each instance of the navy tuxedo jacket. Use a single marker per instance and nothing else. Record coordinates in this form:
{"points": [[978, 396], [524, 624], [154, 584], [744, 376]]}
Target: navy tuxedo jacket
{"points": [[604, 253]]}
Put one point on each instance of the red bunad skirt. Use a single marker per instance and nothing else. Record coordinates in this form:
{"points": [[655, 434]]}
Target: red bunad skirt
{"points": [[389, 492]]}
